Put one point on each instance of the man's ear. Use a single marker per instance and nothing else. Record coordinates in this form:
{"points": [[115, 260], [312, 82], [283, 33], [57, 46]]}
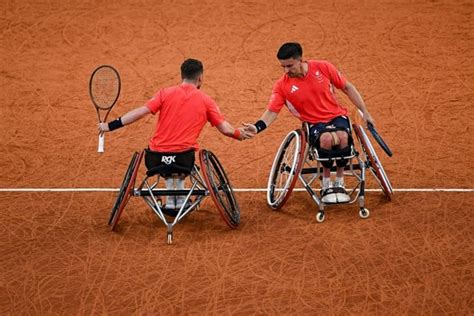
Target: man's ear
{"points": [[199, 80]]}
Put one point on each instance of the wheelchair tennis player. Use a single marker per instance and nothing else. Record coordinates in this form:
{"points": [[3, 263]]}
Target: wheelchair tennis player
{"points": [[183, 112], [307, 88]]}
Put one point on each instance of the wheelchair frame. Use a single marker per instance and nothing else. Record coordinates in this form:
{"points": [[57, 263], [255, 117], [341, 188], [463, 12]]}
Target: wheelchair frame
{"points": [[296, 159], [213, 181]]}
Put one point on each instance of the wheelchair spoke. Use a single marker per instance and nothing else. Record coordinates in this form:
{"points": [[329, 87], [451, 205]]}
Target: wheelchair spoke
{"points": [[126, 189], [220, 189], [286, 165], [373, 162]]}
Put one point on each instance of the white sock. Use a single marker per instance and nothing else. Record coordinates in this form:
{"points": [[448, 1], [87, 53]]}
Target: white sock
{"points": [[169, 183], [180, 184], [340, 180], [170, 200], [326, 183]]}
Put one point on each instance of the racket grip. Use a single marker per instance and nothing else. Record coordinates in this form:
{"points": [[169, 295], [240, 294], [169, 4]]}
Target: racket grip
{"points": [[100, 149]]}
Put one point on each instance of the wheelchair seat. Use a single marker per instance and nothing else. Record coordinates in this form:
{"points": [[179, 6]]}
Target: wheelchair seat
{"points": [[169, 163], [168, 170]]}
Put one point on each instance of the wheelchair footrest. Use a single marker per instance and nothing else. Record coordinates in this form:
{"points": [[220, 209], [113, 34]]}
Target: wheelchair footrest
{"points": [[335, 195]]}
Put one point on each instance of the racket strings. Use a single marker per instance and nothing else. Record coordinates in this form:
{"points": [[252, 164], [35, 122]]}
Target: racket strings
{"points": [[105, 87]]}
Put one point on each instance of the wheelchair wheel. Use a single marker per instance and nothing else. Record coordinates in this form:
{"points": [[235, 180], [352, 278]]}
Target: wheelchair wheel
{"points": [[220, 188], [286, 168], [126, 189], [374, 163]]}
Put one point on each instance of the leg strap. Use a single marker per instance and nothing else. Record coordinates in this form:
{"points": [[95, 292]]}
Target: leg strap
{"points": [[343, 152], [324, 153], [335, 139]]}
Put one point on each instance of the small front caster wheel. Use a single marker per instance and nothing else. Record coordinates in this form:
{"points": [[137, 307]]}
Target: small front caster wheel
{"points": [[364, 213], [320, 216]]}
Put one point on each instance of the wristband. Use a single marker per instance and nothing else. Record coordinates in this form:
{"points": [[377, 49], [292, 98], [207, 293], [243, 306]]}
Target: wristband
{"points": [[236, 134], [260, 125], [115, 124]]}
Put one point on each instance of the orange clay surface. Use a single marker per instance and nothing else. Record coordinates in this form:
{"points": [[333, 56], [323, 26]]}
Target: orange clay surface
{"points": [[411, 60]]}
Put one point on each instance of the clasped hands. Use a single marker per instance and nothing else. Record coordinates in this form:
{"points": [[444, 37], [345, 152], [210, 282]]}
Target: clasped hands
{"points": [[247, 131]]}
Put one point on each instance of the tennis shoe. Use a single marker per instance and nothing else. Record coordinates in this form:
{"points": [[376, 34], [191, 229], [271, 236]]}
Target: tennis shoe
{"points": [[170, 202], [328, 195], [180, 201], [341, 193]]}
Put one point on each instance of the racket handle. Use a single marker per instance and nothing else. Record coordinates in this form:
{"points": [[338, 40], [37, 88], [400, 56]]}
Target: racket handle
{"points": [[100, 149]]}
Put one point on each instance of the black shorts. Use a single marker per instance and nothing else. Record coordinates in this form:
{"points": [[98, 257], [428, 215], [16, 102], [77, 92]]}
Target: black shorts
{"points": [[170, 163], [340, 123]]}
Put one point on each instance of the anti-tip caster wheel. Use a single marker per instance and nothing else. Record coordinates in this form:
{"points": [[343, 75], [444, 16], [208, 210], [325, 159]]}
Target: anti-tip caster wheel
{"points": [[364, 213], [320, 216]]}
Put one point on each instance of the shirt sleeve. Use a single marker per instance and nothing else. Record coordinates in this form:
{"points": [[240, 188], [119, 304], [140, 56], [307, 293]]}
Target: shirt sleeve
{"points": [[155, 103], [337, 79], [277, 99], [213, 113]]}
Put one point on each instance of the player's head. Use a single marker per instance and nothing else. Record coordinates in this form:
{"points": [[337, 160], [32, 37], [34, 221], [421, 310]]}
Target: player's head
{"points": [[192, 71], [290, 56]]}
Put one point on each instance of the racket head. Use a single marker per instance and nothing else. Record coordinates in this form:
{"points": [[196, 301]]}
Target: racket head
{"points": [[379, 139], [104, 87]]}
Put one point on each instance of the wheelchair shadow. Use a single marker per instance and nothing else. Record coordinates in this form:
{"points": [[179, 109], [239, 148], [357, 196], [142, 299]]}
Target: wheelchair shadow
{"points": [[301, 207], [199, 225]]}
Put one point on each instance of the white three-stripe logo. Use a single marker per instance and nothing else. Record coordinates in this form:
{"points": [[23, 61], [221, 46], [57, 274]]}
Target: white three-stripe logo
{"points": [[293, 88]]}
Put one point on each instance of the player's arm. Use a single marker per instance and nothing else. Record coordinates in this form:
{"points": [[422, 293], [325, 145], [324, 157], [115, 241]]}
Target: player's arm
{"points": [[276, 103], [130, 117], [228, 130], [351, 91], [266, 120]]}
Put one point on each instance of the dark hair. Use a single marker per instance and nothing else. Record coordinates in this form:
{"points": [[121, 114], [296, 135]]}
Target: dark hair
{"points": [[191, 69], [290, 50]]}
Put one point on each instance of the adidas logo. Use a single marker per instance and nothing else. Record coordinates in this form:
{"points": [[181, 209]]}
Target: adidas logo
{"points": [[294, 88]]}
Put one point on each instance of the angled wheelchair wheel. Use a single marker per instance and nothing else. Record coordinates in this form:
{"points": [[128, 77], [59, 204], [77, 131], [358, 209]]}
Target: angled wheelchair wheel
{"points": [[286, 168], [374, 163], [220, 188], [125, 189]]}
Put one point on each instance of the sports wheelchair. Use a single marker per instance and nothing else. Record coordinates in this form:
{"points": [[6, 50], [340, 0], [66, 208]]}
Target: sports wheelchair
{"points": [[296, 159], [209, 178]]}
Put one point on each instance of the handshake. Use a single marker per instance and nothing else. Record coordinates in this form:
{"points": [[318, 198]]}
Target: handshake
{"points": [[246, 131]]}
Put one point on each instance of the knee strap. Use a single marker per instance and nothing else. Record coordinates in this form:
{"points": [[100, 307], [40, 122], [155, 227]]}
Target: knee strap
{"points": [[342, 152], [335, 139], [324, 153]]}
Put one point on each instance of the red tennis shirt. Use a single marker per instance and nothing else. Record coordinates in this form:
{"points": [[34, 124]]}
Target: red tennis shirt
{"points": [[184, 110], [312, 97]]}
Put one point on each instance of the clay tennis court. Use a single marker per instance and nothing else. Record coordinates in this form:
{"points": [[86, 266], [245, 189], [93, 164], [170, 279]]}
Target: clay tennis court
{"points": [[412, 62]]}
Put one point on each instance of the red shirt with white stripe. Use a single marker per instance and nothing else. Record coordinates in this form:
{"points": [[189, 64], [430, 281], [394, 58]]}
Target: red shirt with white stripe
{"points": [[312, 97], [184, 110]]}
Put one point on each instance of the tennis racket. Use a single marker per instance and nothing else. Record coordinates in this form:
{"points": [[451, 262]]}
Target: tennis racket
{"points": [[104, 90], [377, 137]]}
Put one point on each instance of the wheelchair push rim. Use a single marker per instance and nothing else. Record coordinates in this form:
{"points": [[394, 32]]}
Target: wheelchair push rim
{"points": [[286, 168], [126, 189], [220, 188], [375, 165]]}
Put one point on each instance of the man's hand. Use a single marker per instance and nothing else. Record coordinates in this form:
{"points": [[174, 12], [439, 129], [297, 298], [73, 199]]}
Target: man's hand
{"points": [[103, 127], [244, 134], [249, 128], [367, 118]]}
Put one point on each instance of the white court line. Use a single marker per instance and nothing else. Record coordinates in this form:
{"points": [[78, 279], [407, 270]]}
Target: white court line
{"points": [[236, 190]]}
